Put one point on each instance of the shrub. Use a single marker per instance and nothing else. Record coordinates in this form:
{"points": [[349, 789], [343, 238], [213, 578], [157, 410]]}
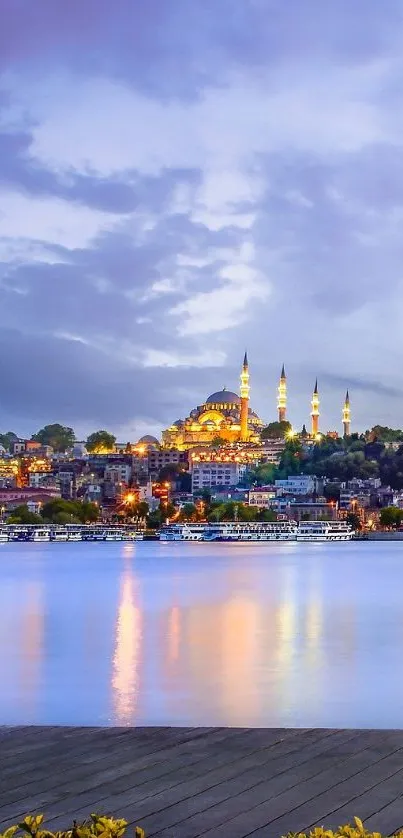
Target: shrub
{"points": [[356, 831], [96, 827]]}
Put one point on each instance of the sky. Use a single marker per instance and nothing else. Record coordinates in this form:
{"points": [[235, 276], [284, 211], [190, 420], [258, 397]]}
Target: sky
{"points": [[183, 180]]}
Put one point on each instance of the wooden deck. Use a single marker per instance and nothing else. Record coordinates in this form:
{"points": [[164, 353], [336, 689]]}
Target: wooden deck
{"points": [[211, 782]]}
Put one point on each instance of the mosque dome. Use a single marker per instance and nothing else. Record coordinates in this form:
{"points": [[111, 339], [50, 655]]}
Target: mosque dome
{"points": [[223, 397], [147, 439]]}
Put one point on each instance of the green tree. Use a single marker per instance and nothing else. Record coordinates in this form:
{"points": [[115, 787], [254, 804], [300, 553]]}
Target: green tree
{"points": [[100, 442], [59, 437], [353, 520], [391, 516], [276, 430], [7, 440], [218, 442], [332, 492], [381, 433], [22, 515], [188, 512], [60, 511]]}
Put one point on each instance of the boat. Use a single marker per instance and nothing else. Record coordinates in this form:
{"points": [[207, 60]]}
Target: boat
{"points": [[251, 531], [40, 534], [182, 532], [324, 531], [3, 536], [74, 535], [136, 535], [59, 534], [20, 534]]}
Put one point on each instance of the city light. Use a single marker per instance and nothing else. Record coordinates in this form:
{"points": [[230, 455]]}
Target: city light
{"points": [[129, 498]]}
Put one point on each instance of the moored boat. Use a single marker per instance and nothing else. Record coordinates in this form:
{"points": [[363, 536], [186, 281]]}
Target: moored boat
{"points": [[251, 531], [182, 532], [324, 531]]}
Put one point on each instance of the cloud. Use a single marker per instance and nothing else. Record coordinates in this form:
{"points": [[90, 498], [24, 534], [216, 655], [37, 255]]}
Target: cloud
{"points": [[181, 183]]}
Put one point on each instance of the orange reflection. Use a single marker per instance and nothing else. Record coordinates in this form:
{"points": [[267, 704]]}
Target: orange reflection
{"points": [[32, 640], [126, 659]]}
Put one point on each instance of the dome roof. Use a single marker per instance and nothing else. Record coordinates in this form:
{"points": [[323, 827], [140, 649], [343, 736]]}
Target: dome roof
{"points": [[223, 397], [147, 439]]}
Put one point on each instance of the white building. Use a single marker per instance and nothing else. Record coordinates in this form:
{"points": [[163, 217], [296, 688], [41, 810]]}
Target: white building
{"points": [[301, 484], [118, 473], [262, 496], [205, 475]]}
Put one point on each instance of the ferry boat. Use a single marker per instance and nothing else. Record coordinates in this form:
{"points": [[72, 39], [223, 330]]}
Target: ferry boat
{"points": [[74, 535], [59, 535], [40, 534], [183, 532], [324, 531], [3, 536], [251, 531]]}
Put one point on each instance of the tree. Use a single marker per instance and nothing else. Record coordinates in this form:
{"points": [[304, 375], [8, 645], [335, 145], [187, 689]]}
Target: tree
{"points": [[218, 442], [7, 440], [276, 430], [188, 512], [59, 511], [22, 515], [100, 442], [391, 516], [59, 437], [353, 520], [332, 492]]}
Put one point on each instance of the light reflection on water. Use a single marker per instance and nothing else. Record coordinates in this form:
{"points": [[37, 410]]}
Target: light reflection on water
{"points": [[191, 634]]}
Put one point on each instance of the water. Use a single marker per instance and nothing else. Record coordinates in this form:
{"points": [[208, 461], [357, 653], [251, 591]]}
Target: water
{"points": [[285, 634]]}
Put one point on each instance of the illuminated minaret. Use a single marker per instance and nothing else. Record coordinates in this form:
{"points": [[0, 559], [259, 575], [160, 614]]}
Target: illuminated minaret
{"points": [[282, 397], [244, 399], [315, 410], [346, 416]]}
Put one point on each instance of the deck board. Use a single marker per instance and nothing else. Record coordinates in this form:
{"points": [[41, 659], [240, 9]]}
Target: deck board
{"points": [[187, 782]]}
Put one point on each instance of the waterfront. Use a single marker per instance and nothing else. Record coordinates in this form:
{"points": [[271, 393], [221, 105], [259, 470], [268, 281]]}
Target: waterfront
{"points": [[281, 635]]}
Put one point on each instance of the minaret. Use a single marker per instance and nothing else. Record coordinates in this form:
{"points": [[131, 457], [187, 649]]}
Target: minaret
{"points": [[315, 411], [346, 416], [282, 397], [244, 399]]}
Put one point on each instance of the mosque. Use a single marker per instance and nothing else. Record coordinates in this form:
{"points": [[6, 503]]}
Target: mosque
{"points": [[224, 414], [228, 416]]}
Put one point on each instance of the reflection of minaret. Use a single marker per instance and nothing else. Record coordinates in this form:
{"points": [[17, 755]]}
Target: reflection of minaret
{"points": [[346, 416], [315, 411], [244, 399], [282, 397], [126, 658]]}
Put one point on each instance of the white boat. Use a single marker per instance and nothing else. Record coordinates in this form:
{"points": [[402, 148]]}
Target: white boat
{"points": [[40, 534], [59, 535], [251, 531], [137, 535], [183, 532], [74, 535], [3, 536], [114, 535], [324, 531]]}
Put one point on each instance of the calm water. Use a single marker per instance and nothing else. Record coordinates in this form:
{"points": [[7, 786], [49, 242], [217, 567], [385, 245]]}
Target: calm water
{"points": [[155, 634]]}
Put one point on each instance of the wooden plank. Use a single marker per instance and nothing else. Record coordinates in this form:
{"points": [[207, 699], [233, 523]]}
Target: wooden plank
{"points": [[224, 801], [159, 799], [111, 798], [87, 749], [311, 803], [138, 765], [184, 782]]}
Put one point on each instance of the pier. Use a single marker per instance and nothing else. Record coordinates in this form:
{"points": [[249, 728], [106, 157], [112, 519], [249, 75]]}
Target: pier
{"points": [[218, 782]]}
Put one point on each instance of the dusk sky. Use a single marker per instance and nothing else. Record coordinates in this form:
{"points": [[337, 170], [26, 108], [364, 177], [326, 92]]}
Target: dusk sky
{"points": [[184, 179]]}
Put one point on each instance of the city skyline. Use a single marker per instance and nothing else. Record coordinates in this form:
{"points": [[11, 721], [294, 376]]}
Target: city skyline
{"points": [[185, 182]]}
